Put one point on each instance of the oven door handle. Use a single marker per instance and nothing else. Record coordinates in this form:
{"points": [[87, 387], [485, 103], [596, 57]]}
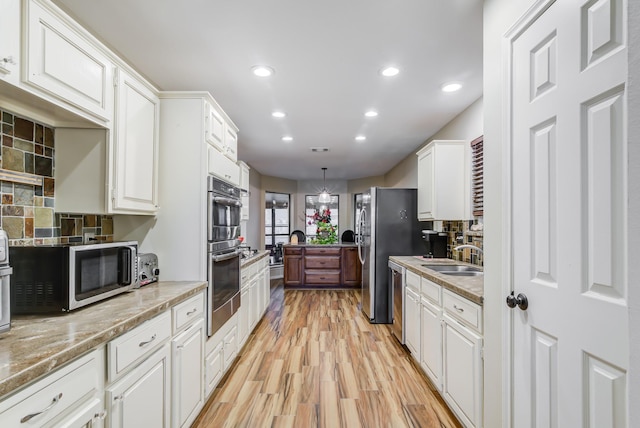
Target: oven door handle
{"points": [[227, 201], [226, 256]]}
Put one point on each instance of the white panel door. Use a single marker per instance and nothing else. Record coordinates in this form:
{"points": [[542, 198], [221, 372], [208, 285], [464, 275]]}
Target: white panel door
{"points": [[568, 215]]}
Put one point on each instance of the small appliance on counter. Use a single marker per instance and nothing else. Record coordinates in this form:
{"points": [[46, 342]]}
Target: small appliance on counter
{"points": [[5, 275], [148, 270], [435, 243]]}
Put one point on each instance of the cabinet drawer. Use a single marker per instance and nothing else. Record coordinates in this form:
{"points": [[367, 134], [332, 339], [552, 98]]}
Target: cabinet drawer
{"points": [[246, 273], [431, 290], [322, 277], [412, 281], [318, 262], [187, 311], [462, 309], [314, 251], [53, 395], [135, 344], [292, 251]]}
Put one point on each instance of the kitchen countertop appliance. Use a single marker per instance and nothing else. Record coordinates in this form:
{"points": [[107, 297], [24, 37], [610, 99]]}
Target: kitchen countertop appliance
{"points": [[148, 270], [5, 275], [388, 226]]}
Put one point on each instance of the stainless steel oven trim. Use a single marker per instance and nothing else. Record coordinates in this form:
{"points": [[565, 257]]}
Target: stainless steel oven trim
{"points": [[75, 304], [216, 319]]}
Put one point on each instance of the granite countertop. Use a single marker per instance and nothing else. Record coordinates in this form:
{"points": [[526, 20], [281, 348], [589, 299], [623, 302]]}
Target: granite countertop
{"points": [[470, 287], [38, 344], [254, 258]]}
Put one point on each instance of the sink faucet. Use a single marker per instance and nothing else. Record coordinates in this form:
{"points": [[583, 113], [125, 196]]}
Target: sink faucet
{"points": [[462, 247]]}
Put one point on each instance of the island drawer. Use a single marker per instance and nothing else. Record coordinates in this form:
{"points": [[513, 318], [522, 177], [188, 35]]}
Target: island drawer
{"points": [[318, 262], [292, 251], [319, 251], [134, 345], [322, 277]]}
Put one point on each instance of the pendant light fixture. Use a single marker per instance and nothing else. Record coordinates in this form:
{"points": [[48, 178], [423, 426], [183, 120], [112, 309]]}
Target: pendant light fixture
{"points": [[324, 197]]}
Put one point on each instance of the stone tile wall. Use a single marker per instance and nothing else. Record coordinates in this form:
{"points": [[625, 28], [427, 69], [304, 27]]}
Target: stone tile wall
{"points": [[460, 233], [28, 212]]}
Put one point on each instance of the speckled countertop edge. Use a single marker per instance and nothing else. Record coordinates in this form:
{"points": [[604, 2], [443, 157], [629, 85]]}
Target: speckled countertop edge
{"points": [[37, 344], [469, 287], [251, 260]]}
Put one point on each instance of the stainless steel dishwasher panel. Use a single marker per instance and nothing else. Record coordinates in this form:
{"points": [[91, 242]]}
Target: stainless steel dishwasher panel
{"points": [[396, 279]]}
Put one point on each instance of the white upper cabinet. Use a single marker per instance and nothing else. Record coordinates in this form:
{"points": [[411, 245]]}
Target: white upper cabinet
{"points": [[231, 142], [10, 36], [136, 147], [444, 181], [62, 61], [244, 186], [214, 127]]}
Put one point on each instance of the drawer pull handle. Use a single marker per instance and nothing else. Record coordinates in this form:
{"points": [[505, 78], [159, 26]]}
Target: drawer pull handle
{"points": [[100, 416], [118, 397], [191, 312], [141, 344], [55, 401], [458, 309]]}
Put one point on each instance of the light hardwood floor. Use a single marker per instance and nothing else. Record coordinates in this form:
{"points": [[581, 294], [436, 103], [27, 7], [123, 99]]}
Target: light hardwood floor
{"points": [[315, 361]]}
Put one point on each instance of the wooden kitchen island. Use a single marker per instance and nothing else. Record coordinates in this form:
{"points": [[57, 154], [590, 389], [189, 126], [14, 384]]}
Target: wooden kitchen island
{"points": [[320, 266]]}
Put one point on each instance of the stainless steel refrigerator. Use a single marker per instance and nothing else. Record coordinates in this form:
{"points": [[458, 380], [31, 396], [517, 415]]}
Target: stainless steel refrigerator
{"points": [[388, 227]]}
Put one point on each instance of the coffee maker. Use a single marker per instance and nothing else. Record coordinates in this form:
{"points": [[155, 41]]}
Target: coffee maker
{"points": [[435, 243]]}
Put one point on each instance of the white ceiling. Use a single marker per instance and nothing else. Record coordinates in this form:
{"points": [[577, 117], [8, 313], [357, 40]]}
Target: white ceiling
{"points": [[327, 56]]}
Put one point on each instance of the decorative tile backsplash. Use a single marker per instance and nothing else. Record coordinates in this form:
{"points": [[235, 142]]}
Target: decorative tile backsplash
{"points": [[460, 233], [28, 211]]}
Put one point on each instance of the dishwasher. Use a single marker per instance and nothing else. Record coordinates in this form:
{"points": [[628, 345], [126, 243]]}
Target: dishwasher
{"points": [[396, 280]]}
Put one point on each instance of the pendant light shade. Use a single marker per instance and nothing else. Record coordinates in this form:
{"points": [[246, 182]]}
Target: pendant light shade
{"points": [[324, 197]]}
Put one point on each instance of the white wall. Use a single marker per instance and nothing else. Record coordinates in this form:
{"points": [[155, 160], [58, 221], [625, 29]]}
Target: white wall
{"points": [[468, 125], [499, 16]]}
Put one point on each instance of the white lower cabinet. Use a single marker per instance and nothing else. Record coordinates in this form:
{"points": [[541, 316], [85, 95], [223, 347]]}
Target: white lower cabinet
{"points": [[243, 314], [141, 398], [187, 396], [443, 332], [64, 398], [431, 342], [214, 368], [462, 375]]}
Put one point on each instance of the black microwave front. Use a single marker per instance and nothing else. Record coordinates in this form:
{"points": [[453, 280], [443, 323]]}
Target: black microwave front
{"points": [[54, 278]]}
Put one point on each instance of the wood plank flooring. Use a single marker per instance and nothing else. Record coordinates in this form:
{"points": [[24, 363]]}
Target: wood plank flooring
{"points": [[315, 361]]}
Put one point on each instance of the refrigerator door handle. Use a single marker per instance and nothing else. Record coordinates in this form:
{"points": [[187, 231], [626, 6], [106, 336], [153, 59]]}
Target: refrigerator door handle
{"points": [[361, 218]]}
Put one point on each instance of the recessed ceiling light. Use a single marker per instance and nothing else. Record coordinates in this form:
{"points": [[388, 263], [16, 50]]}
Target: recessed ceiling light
{"points": [[390, 71], [287, 138], [451, 87], [361, 138], [262, 70], [371, 113], [278, 114]]}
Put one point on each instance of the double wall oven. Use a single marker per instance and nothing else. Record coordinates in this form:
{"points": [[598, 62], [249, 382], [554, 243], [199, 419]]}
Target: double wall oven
{"points": [[223, 231]]}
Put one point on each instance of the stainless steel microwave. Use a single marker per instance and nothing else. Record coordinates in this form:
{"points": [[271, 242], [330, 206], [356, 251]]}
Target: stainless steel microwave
{"points": [[66, 277]]}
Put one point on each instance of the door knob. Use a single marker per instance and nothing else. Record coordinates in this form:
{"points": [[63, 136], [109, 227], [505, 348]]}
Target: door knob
{"points": [[520, 301]]}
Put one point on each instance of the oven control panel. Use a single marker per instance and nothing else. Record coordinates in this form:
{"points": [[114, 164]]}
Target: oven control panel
{"points": [[148, 270]]}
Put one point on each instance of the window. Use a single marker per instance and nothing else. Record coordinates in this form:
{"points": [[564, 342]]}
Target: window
{"points": [[477, 177], [276, 219], [311, 204]]}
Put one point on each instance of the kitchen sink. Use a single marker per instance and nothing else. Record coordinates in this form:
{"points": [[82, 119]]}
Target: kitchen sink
{"points": [[464, 273], [455, 269]]}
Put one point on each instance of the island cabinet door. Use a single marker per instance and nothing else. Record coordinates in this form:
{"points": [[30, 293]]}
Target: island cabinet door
{"points": [[293, 263], [351, 267]]}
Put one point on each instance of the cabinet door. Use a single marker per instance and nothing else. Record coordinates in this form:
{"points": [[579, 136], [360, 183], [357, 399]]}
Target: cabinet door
{"points": [[135, 147], [61, 61], [222, 167], [214, 366], [230, 347], [266, 289], [89, 415], [425, 185], [214, 127], [462, 376], [292, 270], [431, 342], [351, 267], [243, 315], [253, 303], [10, 36], [412, 325], [142, 398], [188, 378], [231, 142]]}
